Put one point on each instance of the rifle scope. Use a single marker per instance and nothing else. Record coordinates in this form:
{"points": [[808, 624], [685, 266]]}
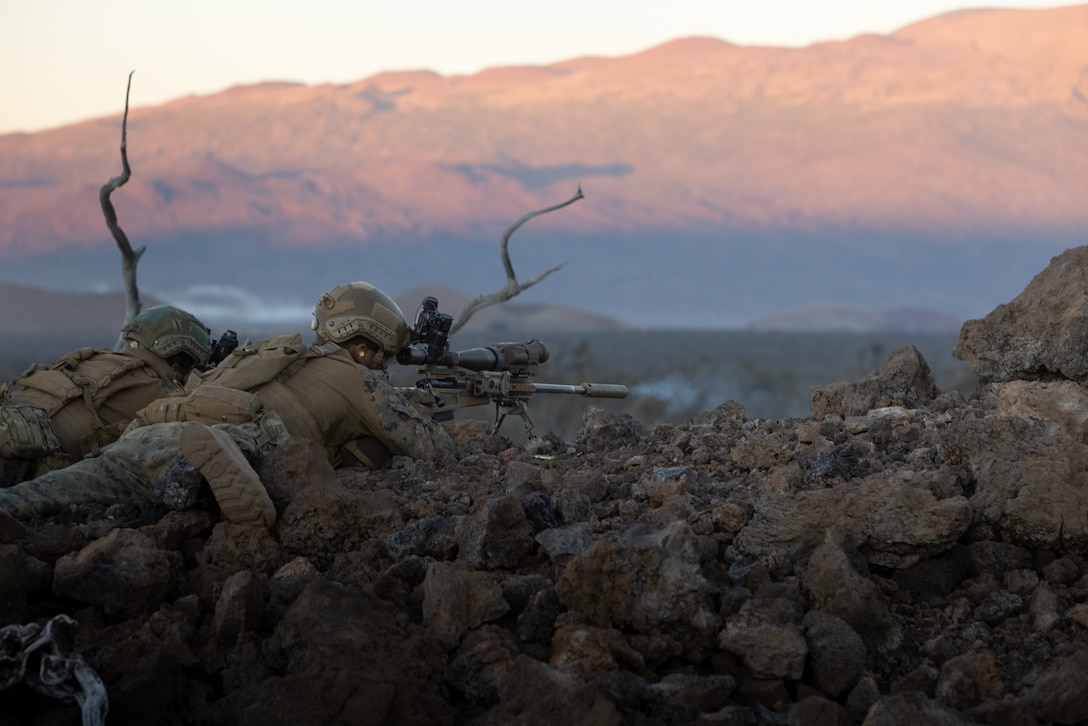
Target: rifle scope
{"points": [[521, 357], [514, 357]]}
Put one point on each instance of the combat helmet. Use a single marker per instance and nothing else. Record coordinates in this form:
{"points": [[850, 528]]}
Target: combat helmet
{"points": [[167, 331], [359, 308]]}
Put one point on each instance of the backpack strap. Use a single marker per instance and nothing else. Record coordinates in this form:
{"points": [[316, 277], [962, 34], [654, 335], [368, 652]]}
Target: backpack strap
{"points": [[94, 439]]}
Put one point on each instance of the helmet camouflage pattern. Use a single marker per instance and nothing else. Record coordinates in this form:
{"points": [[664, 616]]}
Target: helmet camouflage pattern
{"points": [[167, 331], [359, 308]]}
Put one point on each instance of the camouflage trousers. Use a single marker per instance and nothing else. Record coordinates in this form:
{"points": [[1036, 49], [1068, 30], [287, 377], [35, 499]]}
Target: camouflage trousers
{"points": [[124, 472], [15, 469]]}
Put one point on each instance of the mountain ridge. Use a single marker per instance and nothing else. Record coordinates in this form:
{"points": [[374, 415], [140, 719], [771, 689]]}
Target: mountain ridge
{"points": [[414, 152], [935, 167]]}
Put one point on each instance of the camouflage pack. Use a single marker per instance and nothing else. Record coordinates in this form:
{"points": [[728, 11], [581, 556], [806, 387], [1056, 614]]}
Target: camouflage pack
{"points": [[209, 403], [247, 367], [84, 373], [26, 432]]}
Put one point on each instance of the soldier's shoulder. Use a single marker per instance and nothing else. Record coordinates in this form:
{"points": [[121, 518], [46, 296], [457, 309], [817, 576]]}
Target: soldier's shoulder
{"points": [[326, 350], [79, 355]]}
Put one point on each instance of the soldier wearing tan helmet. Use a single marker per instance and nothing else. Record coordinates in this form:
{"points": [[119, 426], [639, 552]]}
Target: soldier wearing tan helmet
{"points": [[364, 320], [51, 417], [334, 392]]}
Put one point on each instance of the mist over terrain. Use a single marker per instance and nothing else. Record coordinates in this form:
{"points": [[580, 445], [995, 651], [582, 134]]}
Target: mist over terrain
{"points": [[642, 282], [933, 170]]}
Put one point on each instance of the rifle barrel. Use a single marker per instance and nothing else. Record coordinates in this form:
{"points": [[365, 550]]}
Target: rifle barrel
{"points": [[591, 390]]}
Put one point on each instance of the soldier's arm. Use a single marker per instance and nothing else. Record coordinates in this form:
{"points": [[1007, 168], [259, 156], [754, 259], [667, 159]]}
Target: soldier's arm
{"points": [[398, 424]]}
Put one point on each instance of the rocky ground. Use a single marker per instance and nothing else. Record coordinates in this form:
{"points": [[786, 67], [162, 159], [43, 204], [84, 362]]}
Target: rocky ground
{"points": [[903, 556]]}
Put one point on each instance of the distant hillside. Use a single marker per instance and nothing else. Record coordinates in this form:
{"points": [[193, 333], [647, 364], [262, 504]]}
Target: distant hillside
{"points": [[513, 317], [858, 320], [32, 311]]}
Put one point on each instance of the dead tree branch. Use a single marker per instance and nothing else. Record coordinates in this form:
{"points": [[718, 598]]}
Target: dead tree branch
{"points": [[129, 257], [513, 287]]}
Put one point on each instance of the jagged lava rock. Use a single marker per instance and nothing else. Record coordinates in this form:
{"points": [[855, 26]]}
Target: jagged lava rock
{"points": [[904, 556]]}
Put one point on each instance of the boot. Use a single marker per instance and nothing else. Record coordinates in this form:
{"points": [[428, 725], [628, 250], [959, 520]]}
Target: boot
{"points": [[236, 486]]}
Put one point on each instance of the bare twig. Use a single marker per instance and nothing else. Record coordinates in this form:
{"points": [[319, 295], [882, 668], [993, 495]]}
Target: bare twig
{"points": [[129, 257], [513, 287]]}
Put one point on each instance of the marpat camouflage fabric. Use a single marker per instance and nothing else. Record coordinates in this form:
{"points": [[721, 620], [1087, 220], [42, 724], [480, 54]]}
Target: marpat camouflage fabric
{"points": [[125, 471]]}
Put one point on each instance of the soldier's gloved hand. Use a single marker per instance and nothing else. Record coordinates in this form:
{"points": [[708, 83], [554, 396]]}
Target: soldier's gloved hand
{"points": [[422, 400]]}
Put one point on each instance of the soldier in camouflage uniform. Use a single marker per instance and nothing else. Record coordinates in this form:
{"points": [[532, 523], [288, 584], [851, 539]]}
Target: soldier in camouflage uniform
{"points": [[335, 392], [52, 417]]}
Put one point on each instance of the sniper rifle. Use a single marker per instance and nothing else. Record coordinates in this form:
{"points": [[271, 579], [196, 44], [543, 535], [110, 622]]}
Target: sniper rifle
{"points": [[501, 373]]}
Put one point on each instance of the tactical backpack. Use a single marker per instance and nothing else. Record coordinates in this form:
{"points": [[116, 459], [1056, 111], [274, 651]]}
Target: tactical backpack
{"points": [[26, 433], [246, 368], [28, 427], [208, 403], [223, 395]]}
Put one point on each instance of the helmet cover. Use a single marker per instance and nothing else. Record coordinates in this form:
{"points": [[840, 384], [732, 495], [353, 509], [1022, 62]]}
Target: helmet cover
{"points": [[167, 331], [359, 308]]}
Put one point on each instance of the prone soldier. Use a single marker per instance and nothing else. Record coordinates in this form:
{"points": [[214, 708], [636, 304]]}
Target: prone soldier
{"points": [[52, 417], [334, 392]]}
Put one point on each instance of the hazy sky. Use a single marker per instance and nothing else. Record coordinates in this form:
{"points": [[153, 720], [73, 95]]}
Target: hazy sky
{"points": [[63, 61]]}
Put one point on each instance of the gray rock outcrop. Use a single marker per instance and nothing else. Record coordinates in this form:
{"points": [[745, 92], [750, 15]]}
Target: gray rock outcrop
{"points": [[1040, 334]]}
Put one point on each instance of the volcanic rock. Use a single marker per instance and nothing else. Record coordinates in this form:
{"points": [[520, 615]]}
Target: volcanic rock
{"points": [[903, 556]]}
